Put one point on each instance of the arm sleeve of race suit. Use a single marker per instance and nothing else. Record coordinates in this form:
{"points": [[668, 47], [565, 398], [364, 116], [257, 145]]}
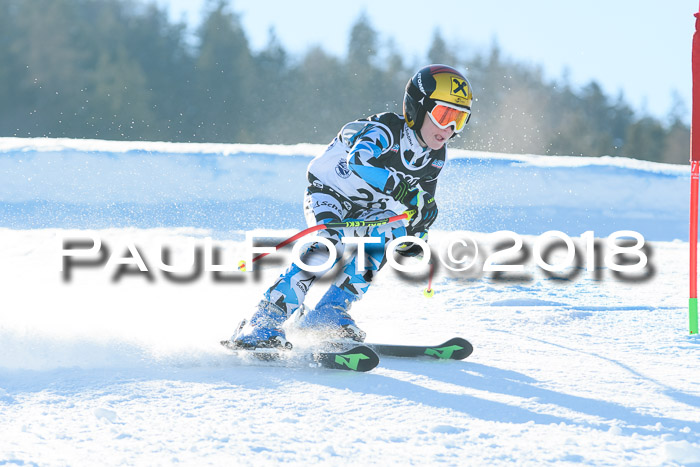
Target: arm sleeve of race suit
{"points": [[368, 145], [429, 185]]}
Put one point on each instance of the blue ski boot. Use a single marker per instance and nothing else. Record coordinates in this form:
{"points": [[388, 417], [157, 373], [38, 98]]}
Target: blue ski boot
{"points": [[264, 330], [331, 317]]}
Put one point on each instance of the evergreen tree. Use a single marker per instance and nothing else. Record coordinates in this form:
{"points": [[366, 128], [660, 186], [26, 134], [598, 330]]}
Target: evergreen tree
{"points": [[120, 105], [227, 89], [676, 149], [392, 82], [54, 80], [363, 45], [317, 107], [14, 80], [439, 52], [274, 106], [361, 91], [646, 140], [677, 144], [167, 69]]}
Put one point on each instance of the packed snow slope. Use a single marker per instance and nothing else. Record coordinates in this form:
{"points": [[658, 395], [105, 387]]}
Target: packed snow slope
{"points": [[107, 364]]}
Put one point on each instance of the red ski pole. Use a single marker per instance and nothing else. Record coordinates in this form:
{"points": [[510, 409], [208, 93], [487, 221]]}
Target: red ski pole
{"points": [[429, 292], [341, 224]]}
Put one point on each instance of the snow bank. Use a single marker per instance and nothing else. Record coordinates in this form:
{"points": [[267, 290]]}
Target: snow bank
{"points": [[62, 183]]}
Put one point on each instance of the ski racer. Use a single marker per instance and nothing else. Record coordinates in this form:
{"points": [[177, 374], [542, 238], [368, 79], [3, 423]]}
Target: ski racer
{"points": [[376, 167]]}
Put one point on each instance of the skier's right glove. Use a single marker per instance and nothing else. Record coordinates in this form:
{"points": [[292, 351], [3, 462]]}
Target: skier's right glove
{"points": [[411, 250], [403, 193]]}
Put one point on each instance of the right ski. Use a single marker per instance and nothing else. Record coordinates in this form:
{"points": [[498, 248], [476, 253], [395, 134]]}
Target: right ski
{"points": [[359, 358]]}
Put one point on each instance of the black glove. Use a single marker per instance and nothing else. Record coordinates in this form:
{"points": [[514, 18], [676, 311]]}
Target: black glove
{"points": [[426, 212], [422, 201], [411, 250], [403, 193]]}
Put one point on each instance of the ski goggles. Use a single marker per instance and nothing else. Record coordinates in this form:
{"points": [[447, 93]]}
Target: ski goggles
{"points": [[444, 115]]}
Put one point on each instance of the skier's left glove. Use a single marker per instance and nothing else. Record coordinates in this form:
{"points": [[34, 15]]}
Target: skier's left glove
{"points": [[426, 211]]}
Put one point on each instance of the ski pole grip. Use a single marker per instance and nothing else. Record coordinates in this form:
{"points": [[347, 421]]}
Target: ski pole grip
{"points": [[410, 214]]}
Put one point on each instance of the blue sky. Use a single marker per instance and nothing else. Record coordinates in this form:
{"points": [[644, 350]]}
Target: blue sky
{"points": [[640, 47]]}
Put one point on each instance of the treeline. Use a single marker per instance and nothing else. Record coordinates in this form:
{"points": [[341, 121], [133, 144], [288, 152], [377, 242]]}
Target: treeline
{"points": [[120, 70]]}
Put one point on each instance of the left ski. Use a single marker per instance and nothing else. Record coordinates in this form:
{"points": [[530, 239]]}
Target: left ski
{"points": [[456, 348], [358, 358]]}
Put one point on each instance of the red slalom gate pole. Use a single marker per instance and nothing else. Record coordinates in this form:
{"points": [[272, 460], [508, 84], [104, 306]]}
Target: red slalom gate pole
{"points": [[694, 168], [693, 241]]}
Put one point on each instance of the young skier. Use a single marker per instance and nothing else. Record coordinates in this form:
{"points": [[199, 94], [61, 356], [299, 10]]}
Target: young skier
{"points": [[376, 167]]}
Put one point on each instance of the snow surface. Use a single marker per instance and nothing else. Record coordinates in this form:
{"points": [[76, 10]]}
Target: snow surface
{"points": [[575, 367]]}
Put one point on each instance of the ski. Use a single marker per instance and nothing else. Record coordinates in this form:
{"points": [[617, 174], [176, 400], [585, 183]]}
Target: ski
{"points": [[454, 349], [358, 358]]}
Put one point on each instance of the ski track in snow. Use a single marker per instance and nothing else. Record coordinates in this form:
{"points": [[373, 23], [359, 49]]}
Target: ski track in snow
{"points": [[584, 370], [579, 367]]}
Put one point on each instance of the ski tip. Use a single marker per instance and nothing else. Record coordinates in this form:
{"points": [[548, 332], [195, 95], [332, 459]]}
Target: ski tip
{"points": [[360, 358], [456, 348]]}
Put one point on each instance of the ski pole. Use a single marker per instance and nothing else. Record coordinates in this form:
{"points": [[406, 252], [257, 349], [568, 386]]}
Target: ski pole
{"points": [[333, 225], [429, 292]]}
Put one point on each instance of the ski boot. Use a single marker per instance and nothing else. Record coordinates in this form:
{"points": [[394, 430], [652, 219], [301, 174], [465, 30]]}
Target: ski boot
{"points": [[264, 330], [331, 317]]}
